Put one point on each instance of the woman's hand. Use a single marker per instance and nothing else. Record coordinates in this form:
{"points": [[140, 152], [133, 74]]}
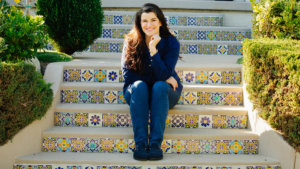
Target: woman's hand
{"points": [[172, 82], [152, 44]]}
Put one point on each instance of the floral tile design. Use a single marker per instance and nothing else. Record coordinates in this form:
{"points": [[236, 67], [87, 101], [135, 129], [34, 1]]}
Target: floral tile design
{"points": [[239, 99], [214, 77], [121, 146], [97, 96], [230, 36], [240, 36], [229, 98], [72, 75], [178, 146], [251, 147], [178, 121], [123, 120], [211, 35], [212, 49], [232, 50], [95, 120], [182, 21], [219, 121], [232, 121], [201, 35], [77, 144], [131, 145], [111, 97], [121, 99], [236, 147], [108, 19], [69, 96], [239, 50], [222, 49], [92, 145], [192, 49], [166, 146], [81, 119], [113, 76], [180, 75], [243, 119], [109, 120], [63, 145], [49, 144], [107, 145], [222, 146], [207, 146], [68, 119], [189, 76], [203, 49], [181, 99], [183, 49], [227, 77], [58, 119], [84, 96], [201, 77], [100, 75], [205, 121], [217, 98], [204, 98], [191, 121], [190, 97], [87, 75], [220, 35], [237, 77], [192, 147], [192, 21]]}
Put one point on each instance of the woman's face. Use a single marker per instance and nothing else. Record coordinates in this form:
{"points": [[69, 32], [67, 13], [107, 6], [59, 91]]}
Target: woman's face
{"points": [[150, 23]]}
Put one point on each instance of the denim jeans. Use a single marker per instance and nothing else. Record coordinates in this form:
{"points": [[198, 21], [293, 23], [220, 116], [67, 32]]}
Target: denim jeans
{"points": [[157, 101]]}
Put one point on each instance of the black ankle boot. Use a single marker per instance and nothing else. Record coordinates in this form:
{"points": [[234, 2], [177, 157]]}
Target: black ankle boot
{"points": [[155, 152], [141, 152]]}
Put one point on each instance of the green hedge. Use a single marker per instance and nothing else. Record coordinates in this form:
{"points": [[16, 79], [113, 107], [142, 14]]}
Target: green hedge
{"points": [[53, 56], [272, 74], [2, 45], [24, 97]]}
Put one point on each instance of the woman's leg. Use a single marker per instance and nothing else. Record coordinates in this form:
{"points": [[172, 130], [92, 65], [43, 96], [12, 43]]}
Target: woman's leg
{"points": [[136, 95]]}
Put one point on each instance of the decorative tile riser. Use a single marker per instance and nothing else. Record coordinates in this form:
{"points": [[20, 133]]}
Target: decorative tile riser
{"points": [[176, 146], [207, 49], [207, 35], [64, 119], [116, 97], [186, 77], [171, 20], [87, 166]]}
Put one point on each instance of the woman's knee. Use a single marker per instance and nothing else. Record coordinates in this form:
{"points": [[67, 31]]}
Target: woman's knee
{"points": [[140, 87], [160, 87]]}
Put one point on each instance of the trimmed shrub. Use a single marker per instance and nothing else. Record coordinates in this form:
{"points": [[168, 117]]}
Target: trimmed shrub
{"points": [[276, 18], [53, 56], [271, 71], [72, 24], [2, 45], [24, 97], [23, 35]]}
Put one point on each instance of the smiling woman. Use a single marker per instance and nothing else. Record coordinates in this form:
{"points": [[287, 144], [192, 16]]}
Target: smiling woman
{"points": [[149, 57]]}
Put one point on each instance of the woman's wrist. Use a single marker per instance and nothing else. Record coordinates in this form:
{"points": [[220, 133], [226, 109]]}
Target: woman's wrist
{"points": [[152, 51]]}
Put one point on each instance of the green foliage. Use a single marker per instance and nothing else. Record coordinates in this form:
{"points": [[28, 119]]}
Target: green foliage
{"points": [[271, 71], [53, 56], [72, 24], [276, 18], [23, 35], [24, 97], [2, 45]]}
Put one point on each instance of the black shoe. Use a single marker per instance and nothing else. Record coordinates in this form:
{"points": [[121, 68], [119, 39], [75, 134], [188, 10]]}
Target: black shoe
{"points": [[155, 152], [141, 152]]}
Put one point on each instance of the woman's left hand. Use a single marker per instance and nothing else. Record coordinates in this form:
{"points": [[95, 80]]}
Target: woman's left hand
{"points": [[172, 81], [153, 42]]}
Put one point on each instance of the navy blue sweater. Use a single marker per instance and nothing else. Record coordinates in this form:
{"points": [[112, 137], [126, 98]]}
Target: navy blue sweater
{"points": [[159, 67]]}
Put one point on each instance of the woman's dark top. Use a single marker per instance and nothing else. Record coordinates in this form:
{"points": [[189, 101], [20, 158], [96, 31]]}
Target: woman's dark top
{"points": [[159, 67]]}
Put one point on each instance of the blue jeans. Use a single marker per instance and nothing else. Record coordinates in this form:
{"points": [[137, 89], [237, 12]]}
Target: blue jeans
{"points": [[158, 100]]}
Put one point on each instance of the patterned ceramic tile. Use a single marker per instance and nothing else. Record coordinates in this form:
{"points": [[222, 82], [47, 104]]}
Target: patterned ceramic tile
{"points": [[202, 77], [220, 35], [191, 120], [127, 19], [100, 75], [182, 20], [239, 99], [81, 119], [173, 20], [200, 21], [232, 121], [68, 119], [192, 147], [214, 77], [181, 99], [189, 77], [113, 76], [190, 97], [251, 147], [180, 75], [121, 99], [237, 77], [182, 35], [184, 49], [115, 47], [217, 98], [204, 98], [240, 36], [222, 49], [192, 36], [168, 122], [192, 21], [227, 77], [87, 75], [211, 21], [212, 49], [123, 120], [232, 50], [92, 145], [77, 144], [205, 121], [178, 121], [69, 96], [73, 75], [109, 120], [95, 120], [63, 145], [243, 121], [219, 121], [108, 19], [222, 146], [230, 36], [211, 35], [236, 147], [104, 47], [97, 96], [49, 144], [166, 146], [178, 146], [203, 49], [207, 146], [192, 49], [229, 98], [121, 145], [84, 96], [107, 145], [118, 33], [106, 33], [239, 50], [111, 97], [201, 35], [118, 19], [58, 119], [131, 145]]}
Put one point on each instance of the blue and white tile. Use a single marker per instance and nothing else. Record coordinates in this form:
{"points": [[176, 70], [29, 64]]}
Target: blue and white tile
{"points": [[111, 97], [95, 120], [190, 98], [113, 76], [189, 77], [214, 78], [87, 75], [205, 121], [222, 49]]}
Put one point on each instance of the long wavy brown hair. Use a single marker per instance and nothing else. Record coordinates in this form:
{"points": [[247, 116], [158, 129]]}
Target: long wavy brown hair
{"points": [[136, 48]]}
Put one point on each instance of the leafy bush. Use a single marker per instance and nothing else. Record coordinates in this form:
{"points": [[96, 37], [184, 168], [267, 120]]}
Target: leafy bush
{"points": [[276, 18], [53, 56], [24, 97], [2, 45], [23, 35], [271, 71], [72, 24]]}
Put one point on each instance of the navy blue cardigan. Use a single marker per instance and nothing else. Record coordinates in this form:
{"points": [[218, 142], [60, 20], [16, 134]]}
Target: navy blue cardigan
{"points": [[159, 67]]}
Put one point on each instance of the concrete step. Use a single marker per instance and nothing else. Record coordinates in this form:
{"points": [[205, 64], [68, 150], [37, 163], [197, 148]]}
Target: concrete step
{"points": [[188, 116], [173, 18], [186, 33], [112, 93], [188, 75], [178, 141], [125, 161], [186, 47]]}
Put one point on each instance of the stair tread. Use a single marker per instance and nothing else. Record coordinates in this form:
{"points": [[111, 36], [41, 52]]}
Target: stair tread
{"points": [[178, 109], [127, 159], [170, 133]]}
